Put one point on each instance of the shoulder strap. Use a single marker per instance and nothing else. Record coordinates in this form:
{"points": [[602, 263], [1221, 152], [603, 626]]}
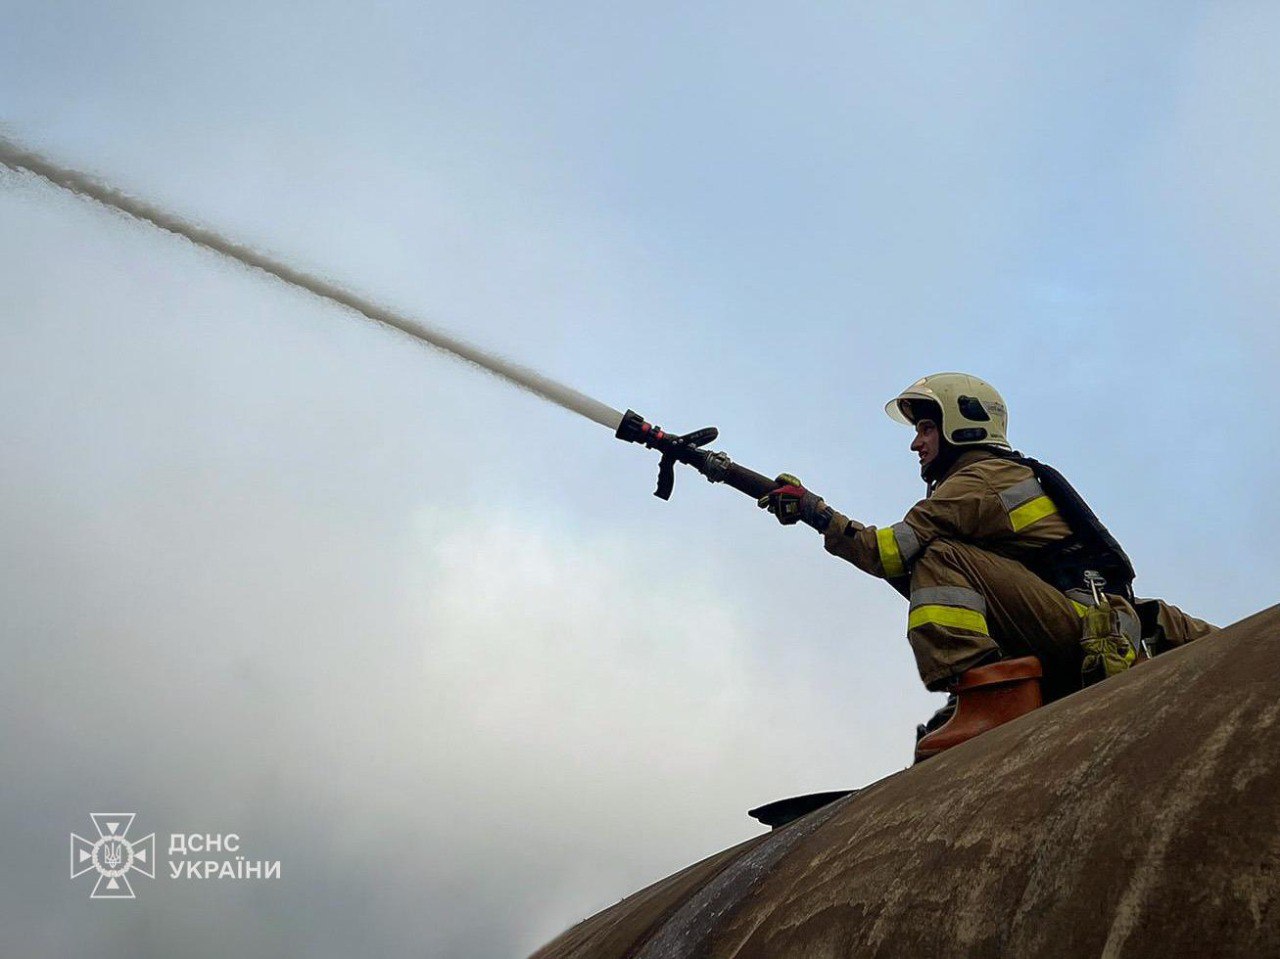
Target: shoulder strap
{"points": [[1091, 545]]}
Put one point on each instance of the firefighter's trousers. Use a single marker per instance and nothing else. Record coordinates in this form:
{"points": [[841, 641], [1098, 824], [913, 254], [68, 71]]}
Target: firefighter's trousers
{"points": [[967, 603]]}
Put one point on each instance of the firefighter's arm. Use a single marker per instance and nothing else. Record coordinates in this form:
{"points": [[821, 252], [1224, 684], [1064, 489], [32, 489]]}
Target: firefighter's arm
{"points": [[961, 508], [791, 503]]}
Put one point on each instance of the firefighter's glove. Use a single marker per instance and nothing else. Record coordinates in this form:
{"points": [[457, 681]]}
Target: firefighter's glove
{"points": [[791, 503]]}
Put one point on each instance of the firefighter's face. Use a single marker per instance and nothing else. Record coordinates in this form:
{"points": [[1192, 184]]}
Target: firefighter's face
{"points": [[927, 440]]}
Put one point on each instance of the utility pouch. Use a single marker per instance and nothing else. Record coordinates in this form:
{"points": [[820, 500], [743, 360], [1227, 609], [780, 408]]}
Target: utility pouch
{"points": [[1107, 650]]}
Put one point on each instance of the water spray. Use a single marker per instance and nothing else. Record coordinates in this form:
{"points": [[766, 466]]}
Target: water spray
{"points": [[19, 158], [629, 427]]}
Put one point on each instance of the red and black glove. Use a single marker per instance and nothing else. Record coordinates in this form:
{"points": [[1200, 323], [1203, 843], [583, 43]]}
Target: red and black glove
{"points": [[791, 503]]}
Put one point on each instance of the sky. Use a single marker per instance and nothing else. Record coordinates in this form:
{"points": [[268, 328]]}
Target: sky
{"points": [[429, 641]]}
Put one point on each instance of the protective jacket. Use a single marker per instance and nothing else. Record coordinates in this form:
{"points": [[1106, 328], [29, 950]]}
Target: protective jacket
{"points": [[984, 499], [990, 564]]}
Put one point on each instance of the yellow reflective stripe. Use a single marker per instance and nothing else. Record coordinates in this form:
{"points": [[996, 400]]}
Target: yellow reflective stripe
{"points": [[890, 558], [953, 616], [1028, 513]]}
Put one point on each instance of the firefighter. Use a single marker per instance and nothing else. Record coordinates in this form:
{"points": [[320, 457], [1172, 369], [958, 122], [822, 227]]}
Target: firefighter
{"points": [[995, 561]]}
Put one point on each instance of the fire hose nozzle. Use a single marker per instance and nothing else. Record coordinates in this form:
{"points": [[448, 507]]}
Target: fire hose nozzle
{"points": [[634, 429], [674, 449]]}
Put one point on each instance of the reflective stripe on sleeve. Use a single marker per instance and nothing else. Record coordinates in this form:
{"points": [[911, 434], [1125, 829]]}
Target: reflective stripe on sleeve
{"points": [[908, 542], [1028, 513], [898, 546], [1020, 493], [890, 558], [1025, 503]]}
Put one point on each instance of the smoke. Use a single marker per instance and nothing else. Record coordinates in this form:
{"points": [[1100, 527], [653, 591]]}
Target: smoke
{"points": [[19, 158]]}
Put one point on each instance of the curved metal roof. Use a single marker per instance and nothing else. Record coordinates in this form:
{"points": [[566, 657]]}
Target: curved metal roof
{"points": [[1140, 817]]}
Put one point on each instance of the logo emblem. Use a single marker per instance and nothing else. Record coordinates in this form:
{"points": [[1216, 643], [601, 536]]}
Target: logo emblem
{"points": [[113, 855]]}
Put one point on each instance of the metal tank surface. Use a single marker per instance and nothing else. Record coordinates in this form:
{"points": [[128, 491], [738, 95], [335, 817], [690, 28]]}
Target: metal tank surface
{"points": [[1140, 817]]}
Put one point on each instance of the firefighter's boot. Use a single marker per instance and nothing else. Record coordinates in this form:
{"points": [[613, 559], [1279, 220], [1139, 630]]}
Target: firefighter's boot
{"points": [[987, 697]]}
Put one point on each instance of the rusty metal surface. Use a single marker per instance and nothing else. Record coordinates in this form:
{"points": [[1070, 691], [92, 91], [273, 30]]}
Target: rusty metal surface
{"points": [[1138, 818]]}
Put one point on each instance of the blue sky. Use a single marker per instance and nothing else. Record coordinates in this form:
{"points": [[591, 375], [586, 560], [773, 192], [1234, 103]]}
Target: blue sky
{"points": [[392, 615]]}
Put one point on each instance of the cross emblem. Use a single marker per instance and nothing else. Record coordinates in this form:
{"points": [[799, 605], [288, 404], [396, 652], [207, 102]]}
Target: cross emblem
{"points": [[113, 855]]}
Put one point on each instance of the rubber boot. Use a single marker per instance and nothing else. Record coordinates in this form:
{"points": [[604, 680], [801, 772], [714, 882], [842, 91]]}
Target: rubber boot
{"points": [[987, 697]]}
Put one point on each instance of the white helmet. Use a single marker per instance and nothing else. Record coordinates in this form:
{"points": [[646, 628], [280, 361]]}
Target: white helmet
{"points": [[973, 413]]}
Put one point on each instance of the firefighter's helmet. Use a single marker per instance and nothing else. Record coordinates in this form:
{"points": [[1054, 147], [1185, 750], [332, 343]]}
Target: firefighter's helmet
{"points": [[973, 413]]}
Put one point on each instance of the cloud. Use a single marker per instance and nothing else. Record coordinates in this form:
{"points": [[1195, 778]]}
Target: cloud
{"points": [[457, 743]]}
